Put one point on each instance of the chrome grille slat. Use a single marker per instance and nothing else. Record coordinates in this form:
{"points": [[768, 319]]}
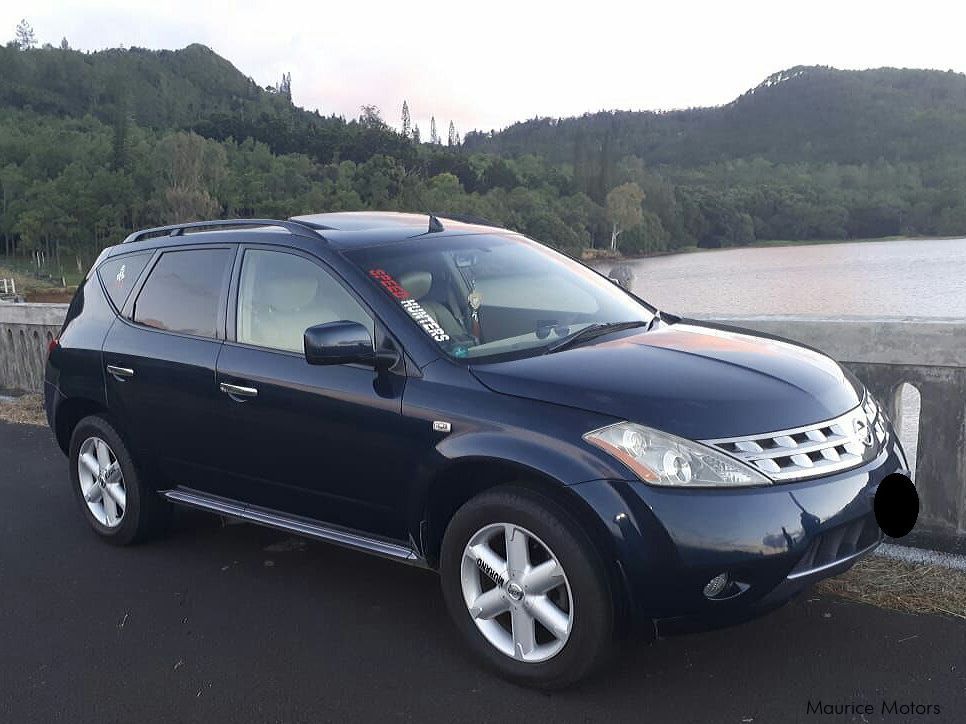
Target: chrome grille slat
{"points": [[820, 449], [778, 452]]}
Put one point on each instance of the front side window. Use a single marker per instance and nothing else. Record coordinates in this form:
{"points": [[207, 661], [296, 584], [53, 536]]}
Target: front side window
{"points": [[484, 297], [280, 295], [184, 291]]}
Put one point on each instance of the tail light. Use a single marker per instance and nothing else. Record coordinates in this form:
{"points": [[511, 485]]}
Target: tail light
{"points": [[52, 345]]}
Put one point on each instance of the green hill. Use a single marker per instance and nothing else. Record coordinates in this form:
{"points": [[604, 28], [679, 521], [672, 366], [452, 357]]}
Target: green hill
{"points": [[192, 89], [800, 115], [159, 88], [93, 145]]}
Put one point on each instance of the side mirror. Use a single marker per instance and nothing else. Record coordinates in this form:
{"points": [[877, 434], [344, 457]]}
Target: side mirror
{"points": [[338, 343]]}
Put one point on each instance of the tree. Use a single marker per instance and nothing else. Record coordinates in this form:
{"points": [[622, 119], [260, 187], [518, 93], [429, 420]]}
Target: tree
{"points": [[416, 138], [285, 86], [372, 118], [120, 142], [453, 138], [624, 209], [433, 136], [407, 124], [64, 44], [191, 169], [25, 36]]}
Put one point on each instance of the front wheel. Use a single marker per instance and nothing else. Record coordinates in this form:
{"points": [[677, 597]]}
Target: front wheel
{"points": [[527, 589]]}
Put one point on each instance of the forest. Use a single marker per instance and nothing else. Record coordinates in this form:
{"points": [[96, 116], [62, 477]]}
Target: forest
{"points": [[96, 144]]}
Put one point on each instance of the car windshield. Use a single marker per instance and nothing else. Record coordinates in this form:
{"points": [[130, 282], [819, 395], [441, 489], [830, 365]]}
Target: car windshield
{"points": [[485, 297]]}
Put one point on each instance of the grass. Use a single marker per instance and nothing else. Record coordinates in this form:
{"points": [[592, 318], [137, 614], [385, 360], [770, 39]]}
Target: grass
{"points": [[25, 410], [900, 586], [37, 288]]}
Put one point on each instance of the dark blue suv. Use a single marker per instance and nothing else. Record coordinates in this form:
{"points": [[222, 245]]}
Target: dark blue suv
{"points": [[575, 463]]}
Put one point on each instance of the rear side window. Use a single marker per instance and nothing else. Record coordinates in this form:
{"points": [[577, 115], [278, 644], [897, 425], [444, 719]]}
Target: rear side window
{"points": [[184, 291], [118, 275]]}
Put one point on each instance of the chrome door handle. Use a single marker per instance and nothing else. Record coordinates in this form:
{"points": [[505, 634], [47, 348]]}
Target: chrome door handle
{"points": [[236, 391], [120, 373]]}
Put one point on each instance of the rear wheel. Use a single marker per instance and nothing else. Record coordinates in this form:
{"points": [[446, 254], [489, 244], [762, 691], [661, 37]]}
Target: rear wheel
{"points": [[113, 497], [527, 588]]}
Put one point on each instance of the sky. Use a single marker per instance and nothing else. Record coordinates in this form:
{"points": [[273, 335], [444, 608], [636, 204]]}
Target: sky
{"points": [[484, 65]]}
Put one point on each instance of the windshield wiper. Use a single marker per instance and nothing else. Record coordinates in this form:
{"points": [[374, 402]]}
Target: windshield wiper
{"points": [[591, 331]]}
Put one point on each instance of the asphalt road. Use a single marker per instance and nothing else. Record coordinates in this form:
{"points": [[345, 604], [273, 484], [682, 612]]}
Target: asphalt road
{"points": [[237, 623]]}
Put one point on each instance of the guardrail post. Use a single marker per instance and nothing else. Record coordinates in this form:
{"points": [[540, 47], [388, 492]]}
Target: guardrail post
{"points": [[941, 466]]}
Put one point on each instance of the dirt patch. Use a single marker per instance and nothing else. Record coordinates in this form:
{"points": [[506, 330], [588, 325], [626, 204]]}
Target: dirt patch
{"points": [[902, 586], [57, 296], [25, 410]]}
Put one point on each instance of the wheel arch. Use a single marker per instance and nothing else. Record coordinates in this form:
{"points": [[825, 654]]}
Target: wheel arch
{"points": [[468, 477], [71, 411]]}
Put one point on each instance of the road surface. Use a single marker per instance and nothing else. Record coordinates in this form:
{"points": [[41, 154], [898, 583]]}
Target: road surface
{"points": [[237, 623]]}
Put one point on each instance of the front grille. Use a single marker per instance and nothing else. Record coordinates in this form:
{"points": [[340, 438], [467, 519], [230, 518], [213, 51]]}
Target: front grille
{"points": [[814, 450], [838, 545]]}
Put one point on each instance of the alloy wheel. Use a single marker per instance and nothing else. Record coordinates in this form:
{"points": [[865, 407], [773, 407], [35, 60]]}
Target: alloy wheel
{"points": [[516, 592], [101, 482]]}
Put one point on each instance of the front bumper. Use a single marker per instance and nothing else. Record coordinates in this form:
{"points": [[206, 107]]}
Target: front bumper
{"points": [[775, 541]]}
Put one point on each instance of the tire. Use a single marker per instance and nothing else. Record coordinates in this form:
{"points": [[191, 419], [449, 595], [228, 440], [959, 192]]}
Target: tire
{"points": [[583, 599], [143, 514]]}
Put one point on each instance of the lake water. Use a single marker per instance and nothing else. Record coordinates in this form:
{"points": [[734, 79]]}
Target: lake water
{"points": [[917, 278], [891, 278]]}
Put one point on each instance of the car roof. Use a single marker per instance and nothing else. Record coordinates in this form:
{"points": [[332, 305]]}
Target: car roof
{"points": [[352, 229], [340, 230]]}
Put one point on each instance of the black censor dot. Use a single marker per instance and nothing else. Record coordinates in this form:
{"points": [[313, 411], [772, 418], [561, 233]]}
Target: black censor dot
{"points": [[896, 505]]}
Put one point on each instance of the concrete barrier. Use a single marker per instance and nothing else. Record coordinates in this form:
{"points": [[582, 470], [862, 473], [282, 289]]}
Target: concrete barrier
{"points": [[885, 353], [25, 331]]}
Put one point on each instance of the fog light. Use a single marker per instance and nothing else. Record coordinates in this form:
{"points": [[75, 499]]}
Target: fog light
{"points": [[716, 585]]}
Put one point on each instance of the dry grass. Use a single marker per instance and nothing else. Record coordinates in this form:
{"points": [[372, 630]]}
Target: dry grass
{"points": [[902, 586], [26, 410]]}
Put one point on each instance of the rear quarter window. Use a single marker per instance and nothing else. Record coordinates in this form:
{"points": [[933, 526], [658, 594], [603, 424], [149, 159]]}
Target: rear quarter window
{"points": [[118, 276], [184, 292]]}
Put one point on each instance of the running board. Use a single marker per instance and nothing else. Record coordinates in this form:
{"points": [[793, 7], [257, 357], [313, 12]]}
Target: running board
{"points": [[293, 524]]}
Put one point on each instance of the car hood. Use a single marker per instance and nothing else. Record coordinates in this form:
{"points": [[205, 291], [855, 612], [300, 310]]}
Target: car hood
{"points": [[699, 381]]}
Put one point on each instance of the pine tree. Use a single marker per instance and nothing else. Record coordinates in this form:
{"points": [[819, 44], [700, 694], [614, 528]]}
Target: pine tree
{"points": [[452, 138], [25, 36], [416, 138], [606, 170], [580, 162], [433, 136], [63, 44], [285, 87], [119, 144], [407, 124]]}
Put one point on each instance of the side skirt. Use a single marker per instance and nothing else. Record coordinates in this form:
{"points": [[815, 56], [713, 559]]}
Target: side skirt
{"points": [[293, 524]]}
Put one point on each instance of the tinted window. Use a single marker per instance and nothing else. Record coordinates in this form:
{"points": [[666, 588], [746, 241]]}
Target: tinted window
{"points": [[184, 291], [281, 295], [118, 275], [494, 296]]}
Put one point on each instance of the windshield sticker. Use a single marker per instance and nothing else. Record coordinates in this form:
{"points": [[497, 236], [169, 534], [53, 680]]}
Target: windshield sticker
{"points": [[390, 284], [412, 307], [429, 325]]}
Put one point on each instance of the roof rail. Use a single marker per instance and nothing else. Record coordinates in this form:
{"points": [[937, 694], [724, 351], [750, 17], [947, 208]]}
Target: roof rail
{"points": [[293, 227]]}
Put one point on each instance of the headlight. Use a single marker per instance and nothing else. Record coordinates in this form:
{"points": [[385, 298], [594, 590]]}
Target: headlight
{"points": [[662, 459]]}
